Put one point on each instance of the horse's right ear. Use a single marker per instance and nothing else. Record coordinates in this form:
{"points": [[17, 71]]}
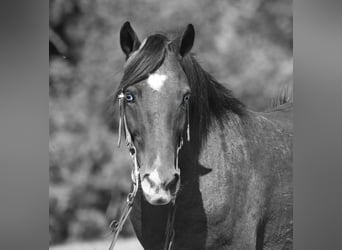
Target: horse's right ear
{"points": [[128, 39], [187, 40]]}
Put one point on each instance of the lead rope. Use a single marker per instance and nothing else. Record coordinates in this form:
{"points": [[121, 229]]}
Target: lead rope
{"points": [[170, 231]]}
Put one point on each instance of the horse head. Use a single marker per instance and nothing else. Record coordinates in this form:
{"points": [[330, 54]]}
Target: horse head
{"points": [[156, 96]]}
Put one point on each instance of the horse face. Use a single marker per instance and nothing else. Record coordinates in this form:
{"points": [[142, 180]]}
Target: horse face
{"points": [[156, 113]]}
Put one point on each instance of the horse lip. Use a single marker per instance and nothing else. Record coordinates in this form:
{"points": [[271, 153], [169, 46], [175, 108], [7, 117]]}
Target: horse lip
{"points": [[158, 200]]}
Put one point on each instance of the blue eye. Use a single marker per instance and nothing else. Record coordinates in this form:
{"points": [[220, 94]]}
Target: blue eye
{"points": [[186, 98], [129, 97]]}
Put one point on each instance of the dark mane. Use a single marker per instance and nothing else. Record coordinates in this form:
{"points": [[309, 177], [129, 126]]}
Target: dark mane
{"points": [[209, 98]]}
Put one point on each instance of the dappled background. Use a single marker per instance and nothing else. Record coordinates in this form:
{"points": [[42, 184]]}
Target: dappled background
{"points": [[247, 45]]}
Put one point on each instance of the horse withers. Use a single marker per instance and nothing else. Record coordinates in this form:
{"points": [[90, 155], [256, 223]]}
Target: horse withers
{"points": [[226, 170]]}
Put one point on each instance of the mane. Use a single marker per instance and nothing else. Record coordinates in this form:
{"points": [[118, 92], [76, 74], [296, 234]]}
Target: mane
{"points": [[209, 98]]}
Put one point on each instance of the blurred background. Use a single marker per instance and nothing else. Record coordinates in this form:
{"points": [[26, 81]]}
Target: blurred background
{"points": [[247, 45]]}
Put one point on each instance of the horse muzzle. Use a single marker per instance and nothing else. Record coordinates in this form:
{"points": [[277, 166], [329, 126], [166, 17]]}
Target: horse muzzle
{"points": [[160, 189]]}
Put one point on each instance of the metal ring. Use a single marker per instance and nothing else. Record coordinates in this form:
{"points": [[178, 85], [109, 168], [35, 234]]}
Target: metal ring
{"points": [[113, 226], [130, 198]]}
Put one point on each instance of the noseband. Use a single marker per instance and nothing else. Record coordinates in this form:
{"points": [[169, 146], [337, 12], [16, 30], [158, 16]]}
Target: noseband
{"points": [[116, 226]]}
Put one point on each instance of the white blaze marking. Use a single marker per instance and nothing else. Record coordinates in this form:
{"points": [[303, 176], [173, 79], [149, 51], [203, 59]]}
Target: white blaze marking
{"points": [[152, 192], [156, 81], [157, 162], [154, 176], [146, 187]]}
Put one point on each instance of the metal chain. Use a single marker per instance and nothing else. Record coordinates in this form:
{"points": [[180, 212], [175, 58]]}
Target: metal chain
{"points": [[116, 226]]}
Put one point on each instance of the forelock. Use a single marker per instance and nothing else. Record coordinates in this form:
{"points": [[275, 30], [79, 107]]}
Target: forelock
{"points": [[145, 61]]}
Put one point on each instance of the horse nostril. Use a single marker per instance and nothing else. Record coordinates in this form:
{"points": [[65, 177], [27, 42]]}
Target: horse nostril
{"points": [[173, 183], [132, 151]]}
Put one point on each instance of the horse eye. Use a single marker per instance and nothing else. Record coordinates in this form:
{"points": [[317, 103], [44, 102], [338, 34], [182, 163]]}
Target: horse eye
{"points": [[186, 98], [129, 97]]}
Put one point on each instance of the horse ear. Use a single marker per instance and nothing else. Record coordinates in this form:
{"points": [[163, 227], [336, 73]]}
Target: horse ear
{"points": [[128, 39], [187, 40]]}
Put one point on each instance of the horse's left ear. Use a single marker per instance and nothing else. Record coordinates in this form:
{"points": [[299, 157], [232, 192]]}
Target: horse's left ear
{"points": [[187, 40]]}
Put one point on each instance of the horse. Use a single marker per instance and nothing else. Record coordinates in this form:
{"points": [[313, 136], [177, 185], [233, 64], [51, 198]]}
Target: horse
{"points": [[226, 170]]}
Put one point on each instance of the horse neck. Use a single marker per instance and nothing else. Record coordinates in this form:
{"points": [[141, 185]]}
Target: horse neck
{"points": [[221, 135], [232, 144]]}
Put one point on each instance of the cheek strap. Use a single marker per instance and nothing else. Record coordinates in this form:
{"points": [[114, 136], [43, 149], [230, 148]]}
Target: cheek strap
{"points": [[121, 113], [123, 122], [188, 122]]}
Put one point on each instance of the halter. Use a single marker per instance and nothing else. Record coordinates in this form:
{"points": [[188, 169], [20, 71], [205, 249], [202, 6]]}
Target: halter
{"points": [[116, 226]]}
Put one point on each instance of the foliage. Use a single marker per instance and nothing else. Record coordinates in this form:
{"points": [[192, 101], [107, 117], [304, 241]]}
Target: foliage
{"points": [[245, 44]]}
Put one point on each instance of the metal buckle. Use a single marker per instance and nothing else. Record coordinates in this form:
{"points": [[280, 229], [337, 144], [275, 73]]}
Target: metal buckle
{"points": [[113, 226]]}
